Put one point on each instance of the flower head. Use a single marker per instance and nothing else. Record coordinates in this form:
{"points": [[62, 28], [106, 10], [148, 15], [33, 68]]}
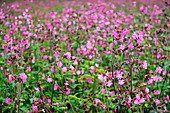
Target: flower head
{"points": [[8, 100]]}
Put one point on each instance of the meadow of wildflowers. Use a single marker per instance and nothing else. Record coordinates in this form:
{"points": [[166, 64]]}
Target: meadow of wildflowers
{"points": [[84, 57]]}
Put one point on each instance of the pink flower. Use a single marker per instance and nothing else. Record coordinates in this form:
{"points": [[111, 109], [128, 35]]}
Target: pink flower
{"points": [[136, 102], [43, 76], [122, 47], [37, 89], [82, 71], [92, 69], [130, 108], [130, 46], [89, 45], [103, 90], [113, 6], [134, 4], [35, 99], [141, 9], [2, 54], [101, 77], [78, 72], [52, 69], [23, 28], [115, 109], [147, 90], [148, 96], [109, 83], [28, 68], [6, 72], [96, 101], [57, 104], [10, 78], [34, 108], [142, 100], [68, 91], [130, 100], [164, 72], [42, 89], [150, 71], [90, 80], [33, 60], [43, 50], [9, 62], [67, 83], [45, 57], [49, 79], [75, 62], [158, 70], [49, 100], [72, 80], [50, 57], [121, 82], [157, 101], [157, 92], [55, 87], [56, 54], [59, 64], [138, 96], [8, 100], [78, 49], [145, 64], [68, 55], [64, 69], [23, 76], [167, 97], [156, 78]]}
